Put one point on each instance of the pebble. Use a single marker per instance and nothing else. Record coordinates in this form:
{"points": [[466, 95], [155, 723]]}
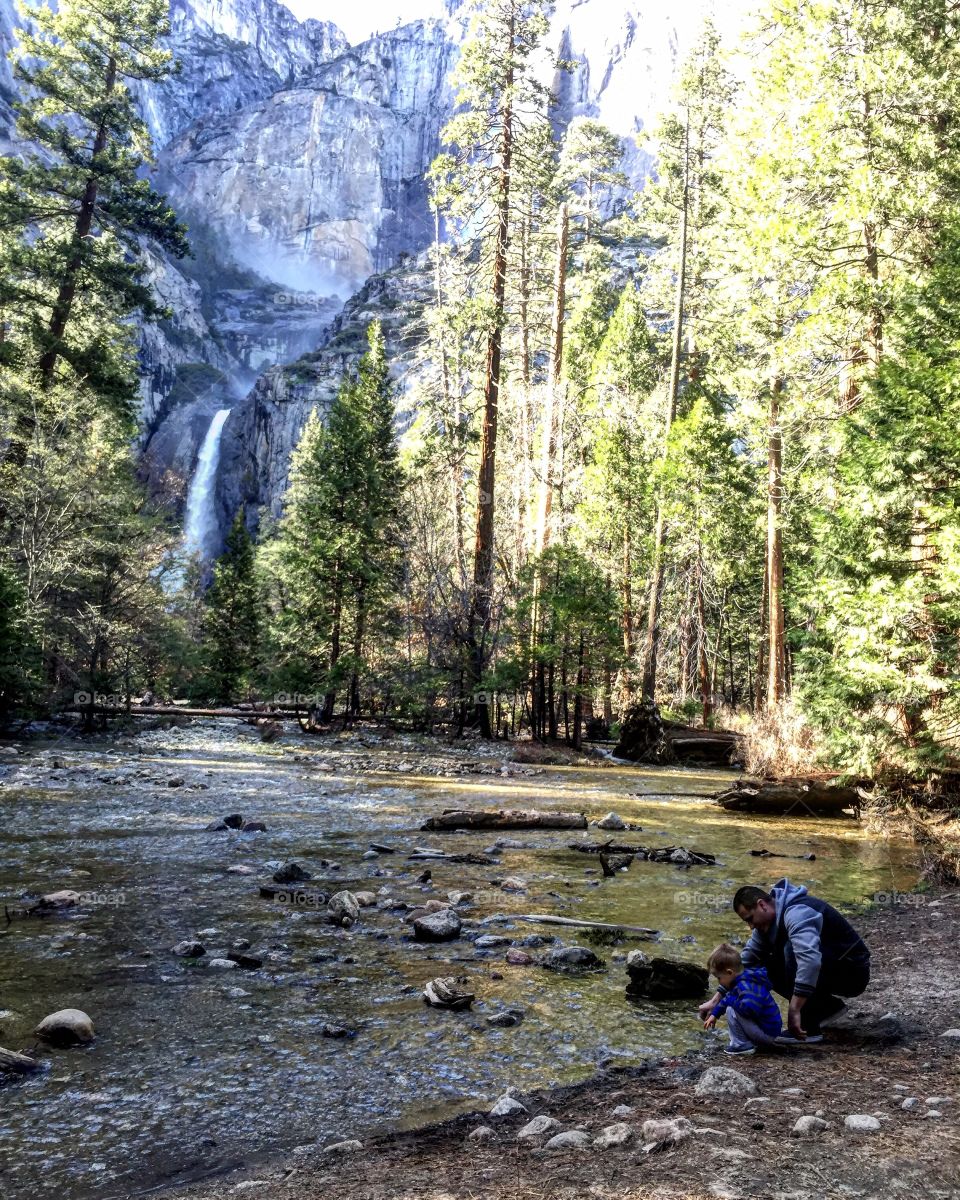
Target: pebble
{"points": [[351, 1146], [506, 1020], [808, 1127], [910, 1103], [934, 1112], [490, 941], [794, 1091], [240, 869], [938, 1101], [861, 1123], [221, 964], [519, 958], [189, 949], [624, 1110], [951, 1033]]}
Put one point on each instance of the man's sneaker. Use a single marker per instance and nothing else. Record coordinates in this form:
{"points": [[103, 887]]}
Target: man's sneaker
{"points": [[740, 1051], [787, 1039]]}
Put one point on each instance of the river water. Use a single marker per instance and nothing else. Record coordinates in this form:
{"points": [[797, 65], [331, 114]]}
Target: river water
{"points": [[194, 1068]]}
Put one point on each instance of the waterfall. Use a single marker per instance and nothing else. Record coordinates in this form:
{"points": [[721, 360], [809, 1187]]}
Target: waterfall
{"points": [[200, 521]]}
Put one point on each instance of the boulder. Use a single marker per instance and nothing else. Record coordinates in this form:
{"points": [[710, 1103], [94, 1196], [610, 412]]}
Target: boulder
{"points": [[246, 962], [351, 1146], [537, 1129], [664, 978], [54, 901], [724, 1081], [624, 1110], [491, 941], [506, 1019], [365, 899], [291, 872], [809, 1126], [573, 1139], [519, 958], [573, 960], [861, 1123], [253, 827], [614, 1135], [612, 821], [482, 1133], [189, 949], [513, 884], [443, 926], [67, 1027], [328, 1030], [221, 964], [506, 1106], [343, 907], [659, 1134]]}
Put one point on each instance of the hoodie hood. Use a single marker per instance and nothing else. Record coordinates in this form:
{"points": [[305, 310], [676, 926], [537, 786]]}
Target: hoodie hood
{"points": [[784, 892]]}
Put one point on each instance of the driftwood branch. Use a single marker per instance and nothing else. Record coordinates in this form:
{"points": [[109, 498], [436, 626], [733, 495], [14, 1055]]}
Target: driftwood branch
{"points": [[545, 919], [20, 1064], [504, 818]]}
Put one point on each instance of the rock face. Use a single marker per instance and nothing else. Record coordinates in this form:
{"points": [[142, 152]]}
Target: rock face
{"points": [[68, 1027]]}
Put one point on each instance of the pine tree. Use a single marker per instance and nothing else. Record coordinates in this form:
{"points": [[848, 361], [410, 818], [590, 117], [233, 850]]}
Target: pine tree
{"points": [[233, 617], [74, 210]]}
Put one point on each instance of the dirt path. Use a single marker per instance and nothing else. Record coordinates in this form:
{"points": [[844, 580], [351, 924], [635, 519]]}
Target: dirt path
{"points": [[741, 1146]]}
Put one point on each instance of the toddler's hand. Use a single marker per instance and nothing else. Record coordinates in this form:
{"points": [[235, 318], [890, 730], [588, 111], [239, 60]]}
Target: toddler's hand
{"points": [[710, 1022]]}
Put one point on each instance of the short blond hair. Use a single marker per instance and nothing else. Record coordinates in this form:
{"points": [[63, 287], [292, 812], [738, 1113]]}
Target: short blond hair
{"points": [[724, 958]]}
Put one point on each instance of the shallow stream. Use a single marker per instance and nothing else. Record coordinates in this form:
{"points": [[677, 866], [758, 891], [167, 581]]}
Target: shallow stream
{"points": [[193, 1068]]}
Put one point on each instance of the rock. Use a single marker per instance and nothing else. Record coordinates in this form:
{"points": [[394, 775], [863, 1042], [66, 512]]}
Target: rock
{"points": [[506, 1106], [459, 897], [861, 1123], [664, 978], [53, 901], [221, 964], [482, 1133], [233, 821], [910, 1103], [246, 962], [490, 941], [343, 906], [336, 1031], [624, 1110], [175, 782], [573, 960], [613, 1136], [216, 826], [66, 1027], [951, 1033], [933, 1112], [792, 1091], [612, 821], [269, 730], [808, 1126], [513, 884], [365, 899], [348, 1147], [519, 958], [659, 1134], [189, 949], [448, 992], [253, 827], [370, 854], [443, 926], [573, 1139], [537, 1129], [938, 1101], [724, 1081], [240, 869], [507, 1019], [291, 872]]}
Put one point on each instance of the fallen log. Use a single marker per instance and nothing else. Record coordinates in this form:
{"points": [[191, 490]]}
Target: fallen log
{"points": [[20, 1064], [504, 818], [547, 919], [811, 797], [646, 737]]}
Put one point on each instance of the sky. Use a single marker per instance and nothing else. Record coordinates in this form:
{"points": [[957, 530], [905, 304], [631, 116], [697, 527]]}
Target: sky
{"points": [[360, 18]]}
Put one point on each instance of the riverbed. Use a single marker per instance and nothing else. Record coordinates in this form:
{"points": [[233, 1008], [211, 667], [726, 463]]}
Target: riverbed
{"points": [[194, 1068]]}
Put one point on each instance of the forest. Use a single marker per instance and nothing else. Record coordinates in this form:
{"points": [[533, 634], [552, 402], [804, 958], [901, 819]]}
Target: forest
{"points": [[696, 445]]}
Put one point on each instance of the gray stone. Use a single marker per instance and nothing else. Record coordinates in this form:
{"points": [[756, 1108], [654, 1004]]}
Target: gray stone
{"points": [[221, 964], [507, 1019], [66, 1027], [624, 1110], [506, 1106], [573, 960], [573, 1139], [951, 1033], [351, 1146], [365, 899], [482, 1133], [910, 1103], [808, 1126], [189, 949], [343, 907], [658, 1134], [861, 1123], [442, 926], [291, 872], [724, 1081], [612, 821], [491, 941], [613, 1136], [537, 1129]]}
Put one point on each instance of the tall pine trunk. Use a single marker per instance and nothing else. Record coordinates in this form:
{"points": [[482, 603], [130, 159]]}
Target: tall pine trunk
{"points": [[776, 636]]}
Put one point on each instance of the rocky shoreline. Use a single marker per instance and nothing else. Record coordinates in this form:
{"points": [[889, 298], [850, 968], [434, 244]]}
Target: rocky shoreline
{"points": [[874, 1111]]}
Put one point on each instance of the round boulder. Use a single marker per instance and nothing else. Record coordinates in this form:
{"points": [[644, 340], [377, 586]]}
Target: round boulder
{"points": [[68, 1027], [441, 926]]}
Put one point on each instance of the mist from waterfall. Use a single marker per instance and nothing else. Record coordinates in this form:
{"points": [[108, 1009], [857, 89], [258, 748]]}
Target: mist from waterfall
{"points": [[200, 520]]}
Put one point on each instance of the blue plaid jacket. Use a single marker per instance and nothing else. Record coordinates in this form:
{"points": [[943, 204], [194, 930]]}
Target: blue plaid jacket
{"points": [[749, 995]]}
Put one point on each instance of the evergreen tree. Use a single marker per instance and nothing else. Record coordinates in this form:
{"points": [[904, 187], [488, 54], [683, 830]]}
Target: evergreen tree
{"points": [[232, 632], [73, 211]]}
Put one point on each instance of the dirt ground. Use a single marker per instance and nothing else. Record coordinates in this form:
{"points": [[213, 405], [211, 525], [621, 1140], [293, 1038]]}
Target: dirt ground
{"points": [[889, 1048]]}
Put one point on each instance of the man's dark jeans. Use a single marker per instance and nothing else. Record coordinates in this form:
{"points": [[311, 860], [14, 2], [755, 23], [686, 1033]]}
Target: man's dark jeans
{"points": [[846, 977]]}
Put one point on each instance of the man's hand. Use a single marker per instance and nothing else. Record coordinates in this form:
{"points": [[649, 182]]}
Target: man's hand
{"points": [[708, 1005], [794, 1028], [710, 1022]]}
